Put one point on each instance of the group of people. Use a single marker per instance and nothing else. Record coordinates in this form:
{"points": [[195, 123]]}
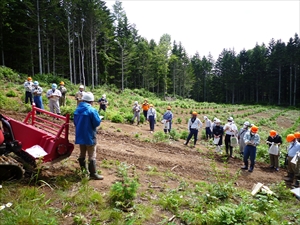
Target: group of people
{"points": [[149, 113], [56, 96]]}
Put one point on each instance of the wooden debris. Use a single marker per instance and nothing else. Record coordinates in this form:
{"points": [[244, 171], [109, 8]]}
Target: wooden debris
{"points": [[171, 218], [174, 167], [129, 150]]}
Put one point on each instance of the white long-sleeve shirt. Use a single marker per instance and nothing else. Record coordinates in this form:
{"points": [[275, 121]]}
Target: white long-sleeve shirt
{"points": [[230, 128], [197, 124]]}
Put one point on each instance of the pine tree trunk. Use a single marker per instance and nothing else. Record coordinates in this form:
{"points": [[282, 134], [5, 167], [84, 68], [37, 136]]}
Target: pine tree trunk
{"points": [[279, 84]]}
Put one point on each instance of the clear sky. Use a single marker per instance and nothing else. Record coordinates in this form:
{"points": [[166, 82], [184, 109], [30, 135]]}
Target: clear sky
{"points": [[211, 26]]}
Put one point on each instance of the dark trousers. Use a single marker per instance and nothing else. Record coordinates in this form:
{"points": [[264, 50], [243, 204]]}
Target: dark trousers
{"points": [[145, 113], [168, 130], [227, 144], [38, 102], [193, 132], [28, 95], [208, 132], [250, 151], [151, 122]]}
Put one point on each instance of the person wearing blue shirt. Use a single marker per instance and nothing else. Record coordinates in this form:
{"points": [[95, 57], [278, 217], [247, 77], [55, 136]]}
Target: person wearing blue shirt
{"points": [[86, 120], [251, 139], [293, 169], [167, 117]]}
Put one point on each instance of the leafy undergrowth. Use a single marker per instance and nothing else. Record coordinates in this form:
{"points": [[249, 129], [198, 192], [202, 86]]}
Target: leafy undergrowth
{"points": [[71, 199]]}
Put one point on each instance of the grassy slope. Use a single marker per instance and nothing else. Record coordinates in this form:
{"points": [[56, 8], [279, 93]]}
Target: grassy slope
{"points": [[72, 201]]}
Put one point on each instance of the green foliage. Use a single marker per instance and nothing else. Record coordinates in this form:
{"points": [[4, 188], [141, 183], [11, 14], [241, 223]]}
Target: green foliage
{"points": [[117, 119], [122, 193], [184, 134], [179, 120], [11, 93], [160, 136], [174, 134]]}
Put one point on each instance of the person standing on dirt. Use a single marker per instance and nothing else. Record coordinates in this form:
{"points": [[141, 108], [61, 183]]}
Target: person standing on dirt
{"points": [[102, 103], [86, 121], [167, 117], [63, 91], [241, 134], [37, 95], [230, 130], [79, 94], [274, 141], [136, 109], [194, 125], [28, 90], [208, 127], [145, 107], [251, 139], [151, 117], [292, 168], [218, 132], [53, 95]]}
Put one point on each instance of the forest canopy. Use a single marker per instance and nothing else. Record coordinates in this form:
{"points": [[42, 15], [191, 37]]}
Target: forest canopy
{"points": [[87, 43]]}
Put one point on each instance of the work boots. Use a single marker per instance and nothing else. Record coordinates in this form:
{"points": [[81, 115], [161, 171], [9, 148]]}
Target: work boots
{"points": [[82, 164], [296, 183], [290, 177], [93, 171]]}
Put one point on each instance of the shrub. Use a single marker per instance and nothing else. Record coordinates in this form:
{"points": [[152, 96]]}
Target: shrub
{"points": [[174, 135], [117, 119], [184, 134], [11, 93], [160, 136]]}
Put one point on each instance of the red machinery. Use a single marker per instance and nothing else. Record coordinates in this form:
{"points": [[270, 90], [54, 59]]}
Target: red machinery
{"points": [[41, 130]]}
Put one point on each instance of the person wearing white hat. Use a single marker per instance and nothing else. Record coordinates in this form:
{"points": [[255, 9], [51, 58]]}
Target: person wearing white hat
{"points": [[241, 134], [37, 95], [136, 109], [218, 135], [86, 121], [102, 103], [230, 130], [53, 95], [79, 94]]}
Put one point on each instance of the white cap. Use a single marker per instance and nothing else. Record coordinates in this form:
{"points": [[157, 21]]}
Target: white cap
{"points": [[81, 86], [104, 96], [230, 118], [88, 96], [136, 103], [247, 123], [217, 121], [205, 117]]}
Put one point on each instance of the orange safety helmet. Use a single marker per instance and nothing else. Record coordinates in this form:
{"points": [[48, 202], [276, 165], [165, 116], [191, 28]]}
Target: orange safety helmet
{"points": [[297, 135], [62, 83], [29, 78], [151, 105], [273, 133], [254, 129], [169, 108], [194, 113], [290, 138]]}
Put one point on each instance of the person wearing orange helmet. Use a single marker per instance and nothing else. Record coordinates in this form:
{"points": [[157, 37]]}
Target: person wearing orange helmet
{"points": [[167, 118], [251, 139], [28, 85], [194, 125], [63, 91], [297, 135], [292, 168], [274, 141]]}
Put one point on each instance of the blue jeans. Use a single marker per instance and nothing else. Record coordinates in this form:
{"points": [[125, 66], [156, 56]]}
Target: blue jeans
{"points": [[193, 132], [250, 150]]}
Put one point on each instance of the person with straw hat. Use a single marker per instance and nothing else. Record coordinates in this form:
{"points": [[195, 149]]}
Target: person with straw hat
{"points": [[63, 91]]}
